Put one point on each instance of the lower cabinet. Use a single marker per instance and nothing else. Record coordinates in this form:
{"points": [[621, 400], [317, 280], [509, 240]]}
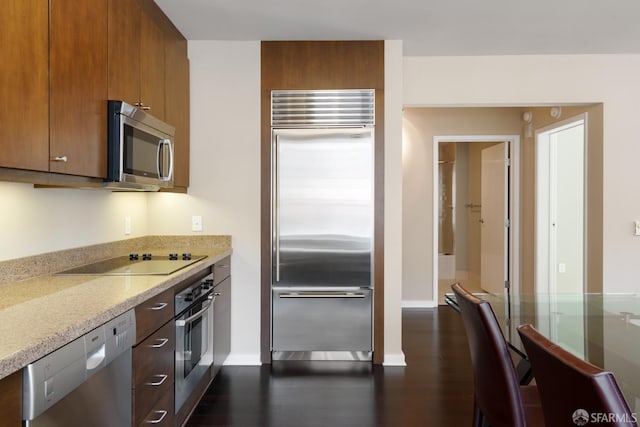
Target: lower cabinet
{"points": [[221, 324], [154, 356], [153, 376], [11, 400]]}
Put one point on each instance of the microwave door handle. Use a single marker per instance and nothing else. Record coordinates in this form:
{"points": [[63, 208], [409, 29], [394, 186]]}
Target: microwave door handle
{"points": [[162, 145]]}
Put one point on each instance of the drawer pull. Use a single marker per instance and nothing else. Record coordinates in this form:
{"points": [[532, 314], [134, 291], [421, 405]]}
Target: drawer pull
{"points": [[159, 420], [159, 306], [62, 159], [162, 342], [163, 378]]}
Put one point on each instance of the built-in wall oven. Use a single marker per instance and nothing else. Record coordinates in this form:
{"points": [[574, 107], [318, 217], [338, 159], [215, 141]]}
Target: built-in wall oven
{"points": [[194, 337]]}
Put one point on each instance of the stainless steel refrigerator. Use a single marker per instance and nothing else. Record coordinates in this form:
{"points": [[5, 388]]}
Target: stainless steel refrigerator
{"points": [[322, 224]]}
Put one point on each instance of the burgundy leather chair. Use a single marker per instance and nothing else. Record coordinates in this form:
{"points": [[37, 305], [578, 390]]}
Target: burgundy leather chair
{"points": [[499, 399], [568, 384]]}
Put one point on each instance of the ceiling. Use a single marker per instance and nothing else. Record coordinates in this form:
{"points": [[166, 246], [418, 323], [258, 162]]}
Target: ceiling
{"points": [[447, 27]]}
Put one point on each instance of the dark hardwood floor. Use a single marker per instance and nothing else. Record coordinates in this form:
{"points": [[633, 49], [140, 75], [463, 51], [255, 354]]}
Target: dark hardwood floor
{"points": [[434, 389]]}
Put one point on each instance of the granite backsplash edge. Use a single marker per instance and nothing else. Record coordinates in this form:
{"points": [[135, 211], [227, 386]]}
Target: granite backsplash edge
{"points": [[47, 263]]}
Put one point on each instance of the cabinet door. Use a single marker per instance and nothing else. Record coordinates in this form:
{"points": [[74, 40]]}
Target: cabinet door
{"points": [[221, 324], [78, 79], [177, 105], [152, 67], [11, 400], [124, 51], [24, 84]]}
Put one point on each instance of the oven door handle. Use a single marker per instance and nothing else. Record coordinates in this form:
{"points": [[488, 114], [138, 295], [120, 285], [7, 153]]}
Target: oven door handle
{"points": [[183, 322]]}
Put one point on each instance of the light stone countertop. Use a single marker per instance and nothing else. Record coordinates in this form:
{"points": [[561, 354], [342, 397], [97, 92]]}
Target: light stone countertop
{"points": [[41, 314]]}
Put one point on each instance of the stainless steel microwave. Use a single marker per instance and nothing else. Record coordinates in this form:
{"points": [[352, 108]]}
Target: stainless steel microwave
{"points": [[140, 155]]}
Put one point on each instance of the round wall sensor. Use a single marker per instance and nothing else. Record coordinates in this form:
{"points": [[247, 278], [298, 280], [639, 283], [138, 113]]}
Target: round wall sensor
{"points": [[555, 112]]}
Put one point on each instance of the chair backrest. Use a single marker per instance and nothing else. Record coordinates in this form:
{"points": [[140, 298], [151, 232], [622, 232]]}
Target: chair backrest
{"points": [[568, 384], [497, 390]]}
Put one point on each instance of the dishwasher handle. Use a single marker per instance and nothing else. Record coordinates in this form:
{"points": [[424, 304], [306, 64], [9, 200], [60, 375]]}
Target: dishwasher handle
{"points": [[95, 359]]}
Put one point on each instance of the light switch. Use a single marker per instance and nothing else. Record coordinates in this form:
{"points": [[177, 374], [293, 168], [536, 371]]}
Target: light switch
{"points": [[636, 228]]}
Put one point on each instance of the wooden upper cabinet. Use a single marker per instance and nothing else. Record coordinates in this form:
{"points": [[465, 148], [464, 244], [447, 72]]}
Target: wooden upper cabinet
{"points": [[24, 84], [152, 77], [78, 87], [136, 57], [177, 105], [124, 51]]}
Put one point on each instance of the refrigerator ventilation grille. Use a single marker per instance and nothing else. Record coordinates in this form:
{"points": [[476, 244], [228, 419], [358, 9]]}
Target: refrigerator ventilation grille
{"points": [[302, 108]]}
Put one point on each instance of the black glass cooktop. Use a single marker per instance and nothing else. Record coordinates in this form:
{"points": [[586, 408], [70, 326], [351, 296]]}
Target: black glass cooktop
{"points": [[135, 265]]}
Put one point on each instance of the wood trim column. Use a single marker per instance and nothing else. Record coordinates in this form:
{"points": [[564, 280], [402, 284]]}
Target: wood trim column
{"points": [[296, 65]]}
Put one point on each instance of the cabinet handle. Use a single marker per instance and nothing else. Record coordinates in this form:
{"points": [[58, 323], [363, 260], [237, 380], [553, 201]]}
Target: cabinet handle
{"points": [[163, 378], [162, 341], [160, 306], [59, 159], [146, 108], [159, 420]]}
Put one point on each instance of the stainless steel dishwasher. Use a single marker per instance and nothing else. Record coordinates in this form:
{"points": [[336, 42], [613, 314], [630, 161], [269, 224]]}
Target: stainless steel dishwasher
{"points": [[86, 382]]}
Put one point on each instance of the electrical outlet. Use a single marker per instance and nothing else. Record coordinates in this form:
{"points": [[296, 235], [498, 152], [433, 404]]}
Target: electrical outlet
{"points": [[562, 267], [127, 225], [196, 223]]}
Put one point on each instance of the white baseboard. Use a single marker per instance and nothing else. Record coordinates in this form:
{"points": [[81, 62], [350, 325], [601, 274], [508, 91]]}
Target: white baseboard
{"points": [[394, 360], [419, 304], [243, 360]]}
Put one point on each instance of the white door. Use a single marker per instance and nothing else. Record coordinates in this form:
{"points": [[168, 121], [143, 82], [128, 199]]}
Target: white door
{"points": [[494, 218], [560, 209], [560, 232]]}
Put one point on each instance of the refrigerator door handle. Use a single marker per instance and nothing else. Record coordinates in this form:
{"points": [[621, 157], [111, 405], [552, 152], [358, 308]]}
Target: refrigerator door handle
{"points": [[276, 213], [321, 294]]}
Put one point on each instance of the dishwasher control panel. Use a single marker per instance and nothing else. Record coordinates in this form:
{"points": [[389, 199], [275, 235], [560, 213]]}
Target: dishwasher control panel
{"points": [[49, 379]]}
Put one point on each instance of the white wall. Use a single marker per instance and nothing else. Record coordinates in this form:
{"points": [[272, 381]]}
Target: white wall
{"points": [[393, 204], [224, 175], [39, 220], [548, 80]]}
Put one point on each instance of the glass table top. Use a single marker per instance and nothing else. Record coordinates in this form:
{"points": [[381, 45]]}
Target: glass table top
{"points": [[601, 328]]}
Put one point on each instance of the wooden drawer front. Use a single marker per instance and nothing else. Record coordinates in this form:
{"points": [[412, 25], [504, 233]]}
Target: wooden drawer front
{"points": [[161, 414], [221, 270], [153, 370], [152, 314]]}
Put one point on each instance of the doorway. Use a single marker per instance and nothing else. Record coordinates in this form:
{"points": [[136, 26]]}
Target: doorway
{"points": [[462, 215], [560, 207], [560, 230]]}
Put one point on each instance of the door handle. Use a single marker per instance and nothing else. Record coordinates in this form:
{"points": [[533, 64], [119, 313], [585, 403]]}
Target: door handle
{"points": [[96, 358], [315, 294], [163, 378], [164, 144], [162, 342], [159, 306], [198, 315], [276, 214], [158, 420]]}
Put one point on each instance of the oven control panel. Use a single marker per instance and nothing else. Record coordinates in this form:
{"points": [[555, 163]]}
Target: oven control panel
{"points": [[193, 292]]}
